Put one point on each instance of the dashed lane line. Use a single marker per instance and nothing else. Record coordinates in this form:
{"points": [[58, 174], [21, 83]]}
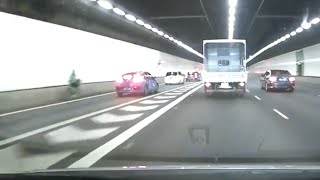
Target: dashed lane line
{"points": [[69, 121], [165, 97], [248, 90], [258, 98], [282, 115], [103, 150], [153, 101], [132, 108], [113, 118]]}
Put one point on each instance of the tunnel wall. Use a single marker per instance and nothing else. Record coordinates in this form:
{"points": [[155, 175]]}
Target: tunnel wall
{"points": [[310, 58], [38, 54]]}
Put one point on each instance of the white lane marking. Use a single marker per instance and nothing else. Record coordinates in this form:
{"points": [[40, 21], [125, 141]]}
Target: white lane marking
{"points": [[282, 115], [153, 101], [165, 97], [103, 150], [169, 94], [257, 98], [180, 91], [74, 134], [17, 162], [248, 90], [111, 118], [68, 121], [132, 108], [56, 104]]}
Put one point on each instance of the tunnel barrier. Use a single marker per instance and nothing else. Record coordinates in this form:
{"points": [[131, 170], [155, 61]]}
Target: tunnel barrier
{"points": [[28, 98]]}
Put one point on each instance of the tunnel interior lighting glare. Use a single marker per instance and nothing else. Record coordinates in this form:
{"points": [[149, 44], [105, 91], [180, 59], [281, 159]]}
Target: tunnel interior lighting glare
{"points": [[166, 36], [299, 30], [118, 11], [315, 20], [306, 25], [171, 38], [148, 26], [105, 4], [130, 17], [233, 3], [293, 33], [140, 22]]}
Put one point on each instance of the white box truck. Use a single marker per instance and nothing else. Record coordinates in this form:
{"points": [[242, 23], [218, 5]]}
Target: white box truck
{"points": [[224, 66]]}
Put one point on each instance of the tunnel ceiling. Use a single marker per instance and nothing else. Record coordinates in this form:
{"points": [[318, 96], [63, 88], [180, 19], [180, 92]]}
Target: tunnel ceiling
{"points": [[260, 22]]}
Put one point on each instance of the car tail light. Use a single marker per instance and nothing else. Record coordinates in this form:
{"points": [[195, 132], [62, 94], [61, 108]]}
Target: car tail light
{"points": [[273, 79], [137, 78], [292, 79]]}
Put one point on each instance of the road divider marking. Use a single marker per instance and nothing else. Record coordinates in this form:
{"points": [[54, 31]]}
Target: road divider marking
{"points": [[165, 97], [95, 155], [132, 108], [257, 98], [248, 90], [153, 102], [282, 115], [74, 134], [69, 121], [113, 118], [57, 104], [13, 161]]}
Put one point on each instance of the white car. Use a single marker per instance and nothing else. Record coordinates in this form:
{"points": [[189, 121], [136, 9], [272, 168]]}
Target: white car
{"points": [[174, 78]]}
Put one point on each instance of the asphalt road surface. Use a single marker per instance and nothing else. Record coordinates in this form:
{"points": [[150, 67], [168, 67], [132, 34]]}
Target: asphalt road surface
{"points": [[177, 125]]}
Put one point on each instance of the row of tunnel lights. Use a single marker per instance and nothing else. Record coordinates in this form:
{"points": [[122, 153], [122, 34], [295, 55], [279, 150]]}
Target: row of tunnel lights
{"points": [[304, 26], [108, 6], [232, 18]]}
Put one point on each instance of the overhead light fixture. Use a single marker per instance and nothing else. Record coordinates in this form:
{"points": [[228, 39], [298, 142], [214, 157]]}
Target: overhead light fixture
{"points": [[118, 11], [287, 36], [160, 33], [299, 30], [140, 22], [166, 36], [232, 18], [130, 17], [293, 33], [147, 26], [315, 20], [105, 4], [155, 30], [171, 38], [306, 25]]}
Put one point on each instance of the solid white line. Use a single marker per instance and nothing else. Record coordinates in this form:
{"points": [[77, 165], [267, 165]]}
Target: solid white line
{"points": [[257, 98], [103, 150], [248, 90], [56, 104], [65, 122], [282, 115]]}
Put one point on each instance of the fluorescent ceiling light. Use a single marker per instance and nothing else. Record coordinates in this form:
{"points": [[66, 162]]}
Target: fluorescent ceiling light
{"points": [[287, 36], [118, 11], [130, 17], [166, 36], [160, 33], [232, 3], [155, 30], [232, 19], [140, 22], [306, 25], [232, 11], [315, 21], [299, 30], [293, 33], [147, 26], [105, 4], [171, 38]]}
